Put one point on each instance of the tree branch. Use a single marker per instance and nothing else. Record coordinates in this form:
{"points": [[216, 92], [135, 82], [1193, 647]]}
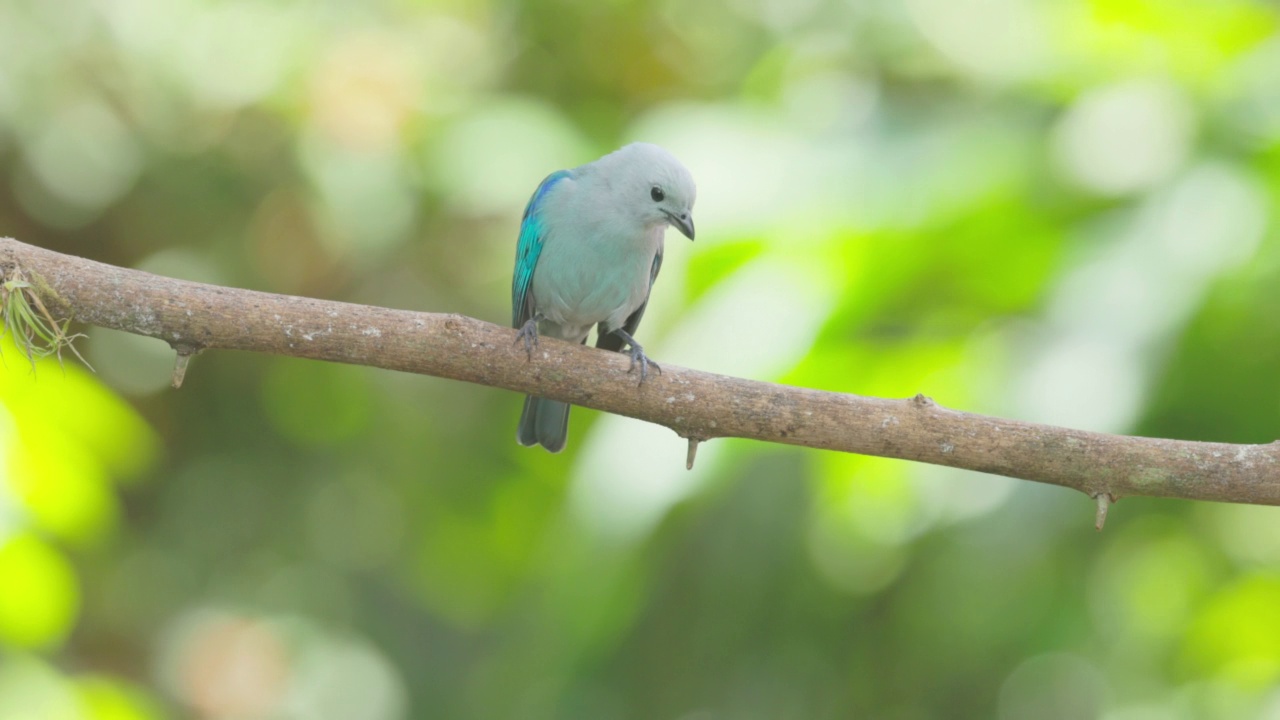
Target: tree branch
{"points": [[696, 405]]}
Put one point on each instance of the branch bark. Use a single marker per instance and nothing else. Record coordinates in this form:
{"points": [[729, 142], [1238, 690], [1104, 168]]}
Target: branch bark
{"points": [[696, 405]]}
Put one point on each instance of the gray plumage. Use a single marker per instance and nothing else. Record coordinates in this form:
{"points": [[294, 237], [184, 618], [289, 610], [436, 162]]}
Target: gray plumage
{"points": [[589, 251]]}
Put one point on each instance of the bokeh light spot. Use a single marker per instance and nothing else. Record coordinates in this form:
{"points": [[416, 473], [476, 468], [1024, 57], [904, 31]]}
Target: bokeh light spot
{"points": [[85, 155], [1126, 137]]}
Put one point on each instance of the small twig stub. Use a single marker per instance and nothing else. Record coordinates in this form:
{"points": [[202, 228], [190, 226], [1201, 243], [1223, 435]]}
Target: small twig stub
{"points": [[692, 453], [1104, 501]]}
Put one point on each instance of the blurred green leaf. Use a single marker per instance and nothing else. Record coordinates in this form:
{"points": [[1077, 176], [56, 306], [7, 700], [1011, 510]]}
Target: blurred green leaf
{"points": [[42, 613]]}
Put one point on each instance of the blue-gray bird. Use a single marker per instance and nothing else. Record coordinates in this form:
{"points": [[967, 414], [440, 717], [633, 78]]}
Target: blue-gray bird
{"points": [[590, 248]]}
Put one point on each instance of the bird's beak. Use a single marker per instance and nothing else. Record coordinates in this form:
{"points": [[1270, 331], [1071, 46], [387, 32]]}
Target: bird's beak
{"points": [[683, 223]]}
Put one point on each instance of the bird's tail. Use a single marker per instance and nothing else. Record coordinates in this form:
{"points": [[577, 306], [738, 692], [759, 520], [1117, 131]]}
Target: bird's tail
{"points": [[543, 422]]}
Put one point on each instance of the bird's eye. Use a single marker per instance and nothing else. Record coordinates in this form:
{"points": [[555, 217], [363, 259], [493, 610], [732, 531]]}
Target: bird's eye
{"points": [[657, 194]]}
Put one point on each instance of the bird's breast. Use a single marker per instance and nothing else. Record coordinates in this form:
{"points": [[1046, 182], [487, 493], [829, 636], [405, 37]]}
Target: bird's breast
{"points": [[588, 277]]}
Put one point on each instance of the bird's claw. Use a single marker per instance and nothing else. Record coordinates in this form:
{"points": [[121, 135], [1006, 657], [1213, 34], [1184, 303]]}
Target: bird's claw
{"points": [[529, 335], [639, 358]]}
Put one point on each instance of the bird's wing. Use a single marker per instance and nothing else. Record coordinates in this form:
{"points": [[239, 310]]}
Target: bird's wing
{"points": [[609, 341], [528, 248]]}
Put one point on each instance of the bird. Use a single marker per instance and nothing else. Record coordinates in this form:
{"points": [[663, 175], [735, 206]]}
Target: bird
{"points": [[589, 250]]}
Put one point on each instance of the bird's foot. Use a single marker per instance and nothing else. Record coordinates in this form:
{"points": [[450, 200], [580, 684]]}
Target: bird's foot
{"points": [[529, 335], [638, 358]]}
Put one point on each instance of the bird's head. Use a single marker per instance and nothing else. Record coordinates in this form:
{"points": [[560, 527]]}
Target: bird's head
{"points": [[655, 184]]}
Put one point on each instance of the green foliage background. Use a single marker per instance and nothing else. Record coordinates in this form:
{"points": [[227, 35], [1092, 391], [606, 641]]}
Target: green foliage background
{"points": [[1057, 210]]}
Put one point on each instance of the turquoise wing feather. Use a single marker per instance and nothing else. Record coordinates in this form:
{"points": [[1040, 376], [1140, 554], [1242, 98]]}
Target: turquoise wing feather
{"points": [[528, 248]]}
